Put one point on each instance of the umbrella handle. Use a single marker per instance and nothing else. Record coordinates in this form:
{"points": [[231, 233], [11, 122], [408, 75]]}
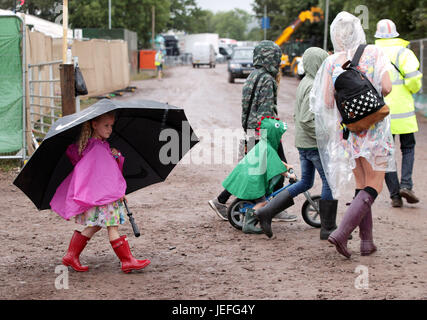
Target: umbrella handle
{"points": [[132, 221]]}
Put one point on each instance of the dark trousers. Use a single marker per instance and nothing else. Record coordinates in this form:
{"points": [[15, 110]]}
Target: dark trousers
{"points": [[225, 195], [407, 146]]}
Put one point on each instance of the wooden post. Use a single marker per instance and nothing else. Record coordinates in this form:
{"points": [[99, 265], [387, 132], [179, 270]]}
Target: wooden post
{"points": [[66, 70], [65, 31], [153, 26], [67, 89]]}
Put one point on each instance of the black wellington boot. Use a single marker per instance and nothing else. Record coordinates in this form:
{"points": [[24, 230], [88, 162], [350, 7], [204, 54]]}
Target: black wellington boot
{"points": [[265, 214], [328, 215]]}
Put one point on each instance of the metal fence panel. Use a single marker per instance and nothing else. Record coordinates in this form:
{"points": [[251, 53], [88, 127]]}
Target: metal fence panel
{"points": [[419, 47]]}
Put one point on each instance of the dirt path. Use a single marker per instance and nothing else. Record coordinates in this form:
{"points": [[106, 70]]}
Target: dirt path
{"points": [[194, 254]]}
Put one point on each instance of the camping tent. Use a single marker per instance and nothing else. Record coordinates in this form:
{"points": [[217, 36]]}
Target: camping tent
{"points": [[48, 28]]}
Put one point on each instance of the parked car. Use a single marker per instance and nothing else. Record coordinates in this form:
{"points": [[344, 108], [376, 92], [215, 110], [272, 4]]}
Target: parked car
{"points": [[204, 54], [240, 63]]}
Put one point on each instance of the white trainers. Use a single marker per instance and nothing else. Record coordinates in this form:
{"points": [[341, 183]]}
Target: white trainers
{"points": [[219, 208], [284, 217]]}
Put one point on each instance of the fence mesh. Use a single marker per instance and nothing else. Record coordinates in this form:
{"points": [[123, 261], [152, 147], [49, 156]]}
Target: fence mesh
{"points": [[419, 48]]}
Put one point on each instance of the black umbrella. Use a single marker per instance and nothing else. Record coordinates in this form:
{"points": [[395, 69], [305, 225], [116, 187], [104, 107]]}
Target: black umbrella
{"points": [[136, 134]]}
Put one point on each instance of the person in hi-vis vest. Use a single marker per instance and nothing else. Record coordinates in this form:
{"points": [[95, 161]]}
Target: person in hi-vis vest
{"points": [[159, 60], [407, 80]]}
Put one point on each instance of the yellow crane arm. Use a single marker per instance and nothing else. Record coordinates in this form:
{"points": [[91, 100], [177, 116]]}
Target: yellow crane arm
{"points": [[303, 16], [315, 14]]}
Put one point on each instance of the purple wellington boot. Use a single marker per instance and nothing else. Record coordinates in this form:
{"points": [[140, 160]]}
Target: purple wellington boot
{"points": [[359, 207], [367, 245]]}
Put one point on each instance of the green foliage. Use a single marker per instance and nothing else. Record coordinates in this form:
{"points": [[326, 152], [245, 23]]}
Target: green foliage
{"points": [[44, 9], [187, 16], [135, 15], [231, 24], [410, 16]]}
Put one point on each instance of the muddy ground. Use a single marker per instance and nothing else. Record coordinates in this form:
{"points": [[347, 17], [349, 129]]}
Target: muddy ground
{"points": [[193, 254]]}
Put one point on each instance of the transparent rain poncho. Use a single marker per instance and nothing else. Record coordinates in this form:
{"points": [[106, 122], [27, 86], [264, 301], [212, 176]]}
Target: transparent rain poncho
{"points": [[375, 144]]}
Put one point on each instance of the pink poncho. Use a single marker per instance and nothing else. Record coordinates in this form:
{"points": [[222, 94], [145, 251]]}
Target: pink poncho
{"points": [[96, 180]]}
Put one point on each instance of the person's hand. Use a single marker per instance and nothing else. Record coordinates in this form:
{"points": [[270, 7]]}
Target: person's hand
{"points": [[123, 199], [292, 177], [288, 166], [115, 152]]}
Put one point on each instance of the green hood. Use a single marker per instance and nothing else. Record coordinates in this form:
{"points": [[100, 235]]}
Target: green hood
{"points": [[267, 55], [312, 59], [272, 130], [252, 177]]}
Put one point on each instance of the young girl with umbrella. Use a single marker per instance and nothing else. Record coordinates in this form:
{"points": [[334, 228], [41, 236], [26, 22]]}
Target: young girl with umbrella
{"points": [[93, 193]]}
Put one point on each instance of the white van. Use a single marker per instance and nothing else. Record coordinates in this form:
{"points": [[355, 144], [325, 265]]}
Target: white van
{"points": [[204, 54]]}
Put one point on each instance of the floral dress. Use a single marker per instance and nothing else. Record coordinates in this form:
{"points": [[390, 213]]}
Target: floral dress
{"points": [[109, 215]]}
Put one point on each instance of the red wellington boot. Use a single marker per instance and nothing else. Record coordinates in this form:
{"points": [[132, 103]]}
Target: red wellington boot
{"points": [[77, 244], [122, 250]]}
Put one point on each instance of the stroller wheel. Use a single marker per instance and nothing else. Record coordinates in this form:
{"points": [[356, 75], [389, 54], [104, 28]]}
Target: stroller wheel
{"points": [[236, 211], [310, 214]]}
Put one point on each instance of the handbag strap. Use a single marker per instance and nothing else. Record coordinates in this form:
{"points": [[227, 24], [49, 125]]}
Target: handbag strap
{"points": [[245, 127], [358, 55]]}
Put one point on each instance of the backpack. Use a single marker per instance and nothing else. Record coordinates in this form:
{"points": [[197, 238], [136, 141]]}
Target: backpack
{"points": [[357, 100]]}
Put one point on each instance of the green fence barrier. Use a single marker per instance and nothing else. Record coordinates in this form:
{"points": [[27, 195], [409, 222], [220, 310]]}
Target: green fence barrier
{"points": [[11, 85]]}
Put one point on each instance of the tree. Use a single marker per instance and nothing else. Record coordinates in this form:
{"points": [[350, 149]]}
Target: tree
{"points": [[185, 16], [203, 22], [410, 16], [44, 9], [135, 15], [231, 24]]}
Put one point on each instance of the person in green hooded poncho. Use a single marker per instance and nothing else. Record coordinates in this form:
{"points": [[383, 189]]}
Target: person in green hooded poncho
{"points": [[306, 143], [259, 99], [254, 175]]}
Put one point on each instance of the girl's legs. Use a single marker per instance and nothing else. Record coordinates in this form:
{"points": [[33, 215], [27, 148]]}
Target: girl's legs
{"points": [[371, 182], [375, 180], [113, 233], [90, 231]]}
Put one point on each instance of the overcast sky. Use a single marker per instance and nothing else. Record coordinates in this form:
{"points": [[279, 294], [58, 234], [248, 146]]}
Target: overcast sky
{"points": [[225, 5]]}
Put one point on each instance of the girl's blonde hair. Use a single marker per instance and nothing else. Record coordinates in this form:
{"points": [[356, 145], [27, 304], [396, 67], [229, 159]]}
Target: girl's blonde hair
{"points": [[85, 134], [87, 131]]}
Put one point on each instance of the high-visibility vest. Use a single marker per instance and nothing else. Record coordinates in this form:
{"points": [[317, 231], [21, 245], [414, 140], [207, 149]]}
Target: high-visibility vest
{"points": [[158, 59], [406, 82]]}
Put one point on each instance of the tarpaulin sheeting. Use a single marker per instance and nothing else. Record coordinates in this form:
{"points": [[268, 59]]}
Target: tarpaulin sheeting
{"points": [[11, 90]]}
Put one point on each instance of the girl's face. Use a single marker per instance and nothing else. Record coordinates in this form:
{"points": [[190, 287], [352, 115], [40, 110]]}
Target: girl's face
{"points": [[103, 127]]}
